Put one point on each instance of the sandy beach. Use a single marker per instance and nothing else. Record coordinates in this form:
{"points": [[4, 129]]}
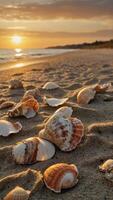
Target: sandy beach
{"points": [[71, 71]]}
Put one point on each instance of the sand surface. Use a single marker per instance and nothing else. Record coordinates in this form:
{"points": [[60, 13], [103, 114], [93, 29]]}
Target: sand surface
{"points": [[71, 71]]}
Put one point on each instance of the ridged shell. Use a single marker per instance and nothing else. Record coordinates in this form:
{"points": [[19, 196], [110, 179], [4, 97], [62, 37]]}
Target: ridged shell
{"points": [[54, 102], [18, 193], [86, 95], [15, 84], [32, 150], [64, 111], [106, 166], [34, 92], [27, 108], [50, 86], [60, 176], [64, 133], [7, 128]]}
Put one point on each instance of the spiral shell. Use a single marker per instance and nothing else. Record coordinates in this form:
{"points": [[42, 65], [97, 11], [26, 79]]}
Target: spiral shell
{"points": [[64, 133], [32, 150], [50, 86], [7, 128], [18, 193], [15, 84], [60, 176], [86, 95], [106, 166], [27, 108]]}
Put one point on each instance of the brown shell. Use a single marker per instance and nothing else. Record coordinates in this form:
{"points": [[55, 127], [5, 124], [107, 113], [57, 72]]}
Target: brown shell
{"points": [[7, 104], [24, 108], [15, 84], [17, 193], [55, 177], [85, 95]]}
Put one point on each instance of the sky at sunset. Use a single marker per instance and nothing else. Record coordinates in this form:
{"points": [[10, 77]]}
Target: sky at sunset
{"points": [[42, 23]]}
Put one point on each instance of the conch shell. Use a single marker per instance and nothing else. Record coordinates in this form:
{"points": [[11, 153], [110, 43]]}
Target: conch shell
{"points": [[27, 108], [61, 176], [18, 193], [32, 150], [15, 84], [106, 166], [7, 128], [65, 133], [50, 86], [54, 102]]}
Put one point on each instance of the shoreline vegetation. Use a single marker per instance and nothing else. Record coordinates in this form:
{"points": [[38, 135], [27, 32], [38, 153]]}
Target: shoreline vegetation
{"points": [[93, 45]]}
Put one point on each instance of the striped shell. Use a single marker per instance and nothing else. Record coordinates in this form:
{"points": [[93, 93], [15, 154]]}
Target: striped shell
{"points": [[27, 108], [54, 102], [106, 166], [50, 86], [64, 133], [60, 176], [86, 95], [18, 193], [15, 84], [32, 150], [7, 128]]}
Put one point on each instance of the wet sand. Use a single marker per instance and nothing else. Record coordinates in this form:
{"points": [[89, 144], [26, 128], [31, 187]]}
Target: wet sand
{"points": [[71, 71]]}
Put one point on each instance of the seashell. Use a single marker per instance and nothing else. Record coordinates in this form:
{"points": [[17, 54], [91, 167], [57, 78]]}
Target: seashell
{"points": [[102, 88], [27, 108], [15, 84], [32, 150], [18, 193], [64, 133], [7, 104], [34, 92], [86, 95], [61, 176], [54, 102], [64, 111], [106, 166], [50, 86], [7, 128]]}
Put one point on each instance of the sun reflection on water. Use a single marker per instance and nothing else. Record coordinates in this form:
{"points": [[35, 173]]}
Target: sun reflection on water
{"points": [[18, 53]]}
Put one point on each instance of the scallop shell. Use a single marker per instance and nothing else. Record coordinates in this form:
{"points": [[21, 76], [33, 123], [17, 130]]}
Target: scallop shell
{"points": [[15, 84], [27, 108], [106, 166], [50, 86], [64, 133], [7, 128], [86, 95], [7, 104], [32, 150], [18, 193], [61, 176], [54, 102], [64, 111], [34, 92]]}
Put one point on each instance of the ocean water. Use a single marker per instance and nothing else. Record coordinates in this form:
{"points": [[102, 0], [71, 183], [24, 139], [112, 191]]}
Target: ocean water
{"points": [[9, 55]]}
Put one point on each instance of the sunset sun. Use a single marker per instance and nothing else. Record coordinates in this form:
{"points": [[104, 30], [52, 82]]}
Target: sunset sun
{"points": [[16, 39]]}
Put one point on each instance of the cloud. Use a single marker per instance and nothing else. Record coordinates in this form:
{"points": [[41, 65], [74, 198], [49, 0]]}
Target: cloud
{"points": [[68, 9]]}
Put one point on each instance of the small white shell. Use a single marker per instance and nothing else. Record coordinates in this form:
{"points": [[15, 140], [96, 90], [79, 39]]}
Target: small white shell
{"points": [[50, 86], [18, 193], [86, 95], [54, 102], [32, 150], [106, 166], [7, 128]]}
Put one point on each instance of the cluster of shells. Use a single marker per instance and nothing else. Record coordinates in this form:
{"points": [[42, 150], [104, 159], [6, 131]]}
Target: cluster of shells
{"points": [[61, 130]]}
